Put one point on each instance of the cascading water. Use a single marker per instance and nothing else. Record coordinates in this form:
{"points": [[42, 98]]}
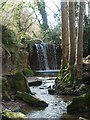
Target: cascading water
{"points": [[46, 56]]}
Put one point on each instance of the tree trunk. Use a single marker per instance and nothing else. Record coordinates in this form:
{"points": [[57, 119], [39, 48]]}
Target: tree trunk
{"points": [[43, 14], [65, 41], [80, 43], [72, 33]]}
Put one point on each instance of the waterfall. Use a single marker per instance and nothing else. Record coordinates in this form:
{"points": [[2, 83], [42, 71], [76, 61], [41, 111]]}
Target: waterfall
{"points": [[46, 54]]}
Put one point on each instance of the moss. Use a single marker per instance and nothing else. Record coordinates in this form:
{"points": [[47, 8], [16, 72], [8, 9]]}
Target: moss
{"points": [[28, 72], [20, 83], [8, 114], [31, 99], [80, 104]]}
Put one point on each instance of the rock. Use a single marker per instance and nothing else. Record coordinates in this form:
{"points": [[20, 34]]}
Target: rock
{"points": [[81, 118], [49, 86], [80, 104], [8, 114], [51, 91], [31, 99], [17, 109], [35, 83], [82, 87], [20, 83]]}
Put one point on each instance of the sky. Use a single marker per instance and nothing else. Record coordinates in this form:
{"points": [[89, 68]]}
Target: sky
{"points": [[50, 4]]}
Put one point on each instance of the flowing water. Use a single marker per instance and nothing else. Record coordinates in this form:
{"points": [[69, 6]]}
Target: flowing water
{"points": [[56, 105], [46, 56]]}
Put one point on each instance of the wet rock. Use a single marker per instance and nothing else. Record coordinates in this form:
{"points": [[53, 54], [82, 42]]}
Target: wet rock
{"points": [[41, 88], [35, 83], [49, 86], [9, 115], [51, 91], [81, 118], [80, 104], [31, 99]]}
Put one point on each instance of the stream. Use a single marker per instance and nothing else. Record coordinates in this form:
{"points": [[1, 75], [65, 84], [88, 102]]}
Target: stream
{"points": [[57, 105]]}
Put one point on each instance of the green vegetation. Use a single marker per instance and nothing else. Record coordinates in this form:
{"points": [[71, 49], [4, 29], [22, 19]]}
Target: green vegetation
{"points": [[28, 72], [66, 75], [8, 114]]}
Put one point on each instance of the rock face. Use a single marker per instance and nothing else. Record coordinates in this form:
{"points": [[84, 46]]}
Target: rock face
{"points": [[9, 64], [32, 100], [80, 104]]}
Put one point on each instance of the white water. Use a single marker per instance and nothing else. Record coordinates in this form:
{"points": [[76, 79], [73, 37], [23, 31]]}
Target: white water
{"points": [[56, 105], [46, 56]]}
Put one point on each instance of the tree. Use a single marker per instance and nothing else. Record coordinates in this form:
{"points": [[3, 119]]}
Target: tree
{"points": [[65, 42], [72, 33], [41, 8], [80, 43]]}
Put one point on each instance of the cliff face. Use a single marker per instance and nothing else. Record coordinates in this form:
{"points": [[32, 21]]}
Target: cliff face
{"points": [[10, 63]]}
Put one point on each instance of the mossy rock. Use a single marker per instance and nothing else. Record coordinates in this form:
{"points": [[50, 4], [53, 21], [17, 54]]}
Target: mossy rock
{"points": [[20, 83], [80, 104], [8, 114], [32, 100], [28, 72]]}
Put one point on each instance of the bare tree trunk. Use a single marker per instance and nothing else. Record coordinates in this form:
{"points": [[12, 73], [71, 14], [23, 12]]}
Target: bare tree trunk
{"points": [[72, 33], [80, 43], [65, 41], [43, 13]]}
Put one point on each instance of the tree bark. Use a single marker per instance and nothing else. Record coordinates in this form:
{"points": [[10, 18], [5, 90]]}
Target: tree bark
{"points": [[80, 43], [72, 33], [65, 40], [43, 14]]}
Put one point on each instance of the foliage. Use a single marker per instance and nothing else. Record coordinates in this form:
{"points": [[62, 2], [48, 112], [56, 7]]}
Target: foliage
{"points": [[8, 37], [67, 75], [28, 72], [52, 35]]}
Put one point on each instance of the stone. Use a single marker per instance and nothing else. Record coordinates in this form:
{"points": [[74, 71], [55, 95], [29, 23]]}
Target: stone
{"points": [[80, 104], [31, 99], [20, 83], [81, 118], [51, 91], [35, 83], [8, 114]]}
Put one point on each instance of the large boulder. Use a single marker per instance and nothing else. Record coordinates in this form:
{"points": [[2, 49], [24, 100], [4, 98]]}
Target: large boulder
{"points": [[80, 104], [31, 99], [20, 83]]}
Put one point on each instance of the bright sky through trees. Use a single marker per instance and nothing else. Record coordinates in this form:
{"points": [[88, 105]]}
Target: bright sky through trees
{"points": [[51, 9]]}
